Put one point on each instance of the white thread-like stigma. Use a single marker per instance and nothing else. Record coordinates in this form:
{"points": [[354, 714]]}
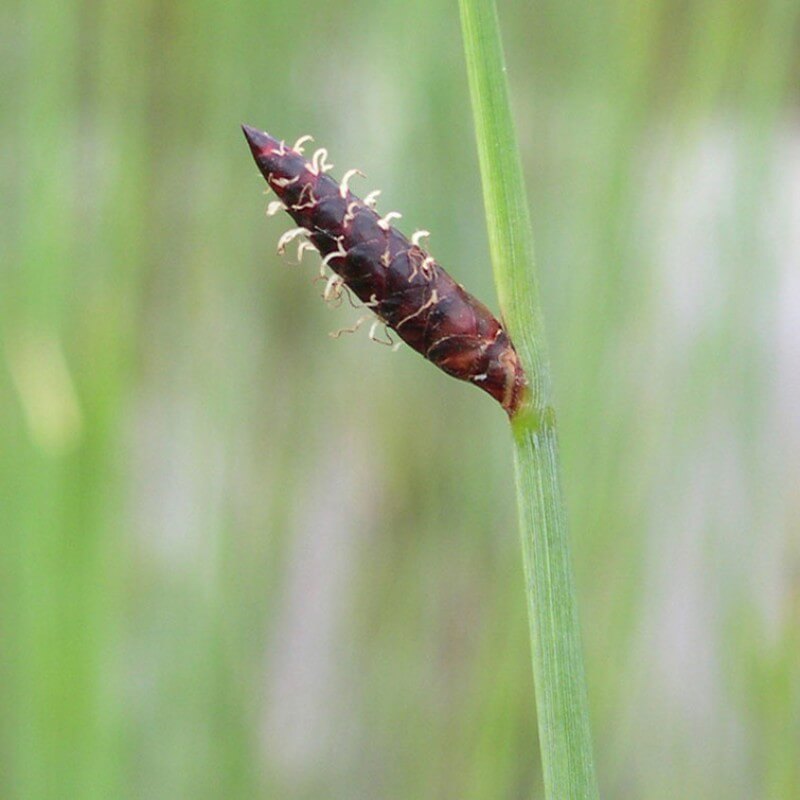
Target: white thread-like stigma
{"points": [[289, 236], [388, 341], [426, 268], [418, 236], [384, 222], [372, 329], [344, 185], [371, 200], [414, 266], [358, 323], [274, 207], [298, 145], [432, 301], [284, 182], [340, 253], [303, 248], [333, 288], [350, 214], [319, 162], [306, 199], [328, 258]]}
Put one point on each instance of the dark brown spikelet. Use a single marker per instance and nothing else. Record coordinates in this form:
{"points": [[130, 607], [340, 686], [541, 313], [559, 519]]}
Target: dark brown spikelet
{"points": [[394, 277]]}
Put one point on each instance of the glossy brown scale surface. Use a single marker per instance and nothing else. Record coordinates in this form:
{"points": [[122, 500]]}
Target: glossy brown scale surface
{"points": [[395, 278]]}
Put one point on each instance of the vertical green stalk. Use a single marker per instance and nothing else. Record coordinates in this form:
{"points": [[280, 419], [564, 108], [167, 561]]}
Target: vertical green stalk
{"points": [[562, 707]]}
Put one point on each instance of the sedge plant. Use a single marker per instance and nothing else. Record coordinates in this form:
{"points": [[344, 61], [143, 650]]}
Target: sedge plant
{"points": [[416, 299]]}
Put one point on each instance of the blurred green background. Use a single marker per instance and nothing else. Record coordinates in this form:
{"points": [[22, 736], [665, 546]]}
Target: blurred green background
{"points": [[241, 559]]}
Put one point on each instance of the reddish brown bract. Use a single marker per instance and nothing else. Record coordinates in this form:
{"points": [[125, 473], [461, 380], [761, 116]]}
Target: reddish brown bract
{"points": [[394, 277]]}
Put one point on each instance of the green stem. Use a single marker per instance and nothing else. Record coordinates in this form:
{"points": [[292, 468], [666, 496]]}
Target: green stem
{"points": [[562, 707]]}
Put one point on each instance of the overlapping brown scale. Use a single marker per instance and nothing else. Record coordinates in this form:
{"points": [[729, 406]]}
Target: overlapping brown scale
{"points": [[398, 280]]}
